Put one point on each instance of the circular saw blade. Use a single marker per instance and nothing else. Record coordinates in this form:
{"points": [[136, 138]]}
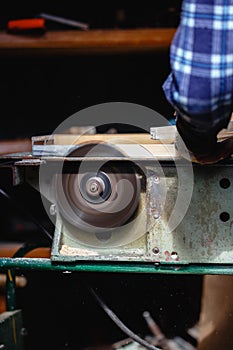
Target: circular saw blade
{"points": [[99, 198]]}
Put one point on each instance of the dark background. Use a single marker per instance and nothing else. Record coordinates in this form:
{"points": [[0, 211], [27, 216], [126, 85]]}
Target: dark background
{"points": [[37, 94], [99, 14]]}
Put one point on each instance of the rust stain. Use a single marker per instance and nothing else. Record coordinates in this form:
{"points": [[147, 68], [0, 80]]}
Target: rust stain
{"points": [[171, 256]]}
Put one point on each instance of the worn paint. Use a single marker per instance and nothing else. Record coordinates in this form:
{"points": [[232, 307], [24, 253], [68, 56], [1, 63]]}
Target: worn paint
{"points": [[116, 267]]}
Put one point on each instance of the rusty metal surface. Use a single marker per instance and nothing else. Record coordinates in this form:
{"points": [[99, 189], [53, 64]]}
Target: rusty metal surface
{"points": [[204, 236]]}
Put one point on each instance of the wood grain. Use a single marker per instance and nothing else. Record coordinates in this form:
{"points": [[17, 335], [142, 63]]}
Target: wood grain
{"points": [[68, 139], [93, 41]]}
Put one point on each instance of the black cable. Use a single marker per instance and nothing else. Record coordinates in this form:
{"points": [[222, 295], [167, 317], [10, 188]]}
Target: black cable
{"points": [[27, 247], [32, 218], [120, 324]]}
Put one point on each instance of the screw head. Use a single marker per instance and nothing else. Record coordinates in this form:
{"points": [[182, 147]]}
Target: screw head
{"points": [[155, 250], [156, 179], [156, 215]]}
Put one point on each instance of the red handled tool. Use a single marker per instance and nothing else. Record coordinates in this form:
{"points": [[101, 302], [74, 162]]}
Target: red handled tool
{"points": [[36, 25]]}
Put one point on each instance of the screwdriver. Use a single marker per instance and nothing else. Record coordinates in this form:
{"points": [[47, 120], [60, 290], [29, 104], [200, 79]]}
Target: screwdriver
{"points": [[68, 22]]}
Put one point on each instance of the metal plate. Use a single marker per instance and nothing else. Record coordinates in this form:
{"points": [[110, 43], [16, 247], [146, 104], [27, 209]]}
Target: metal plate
{"points": [[205, 234]]}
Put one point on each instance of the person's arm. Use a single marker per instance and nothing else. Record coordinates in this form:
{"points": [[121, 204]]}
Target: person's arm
{"points": [[200, 86]]}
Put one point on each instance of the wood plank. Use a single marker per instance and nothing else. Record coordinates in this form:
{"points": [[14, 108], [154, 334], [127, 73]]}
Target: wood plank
{"points": [[162, 151], [93, 41], [68, 139]]}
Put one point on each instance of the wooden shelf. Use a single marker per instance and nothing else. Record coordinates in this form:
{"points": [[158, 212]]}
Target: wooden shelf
{"points": [[93, 41]]}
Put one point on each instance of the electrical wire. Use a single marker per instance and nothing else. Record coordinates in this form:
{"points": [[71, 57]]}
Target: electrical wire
{"points": [[32, 218], [120, 324], [27, 247]]}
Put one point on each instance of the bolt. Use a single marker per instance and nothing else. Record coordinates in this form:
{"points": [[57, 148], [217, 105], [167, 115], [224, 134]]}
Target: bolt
{"points": [[94, 187], [155, 250], [53, 209], [2, 346], [156, 215]]}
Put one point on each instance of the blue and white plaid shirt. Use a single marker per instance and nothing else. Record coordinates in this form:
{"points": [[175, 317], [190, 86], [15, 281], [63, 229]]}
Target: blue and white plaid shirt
{"points": [[200, 86]]}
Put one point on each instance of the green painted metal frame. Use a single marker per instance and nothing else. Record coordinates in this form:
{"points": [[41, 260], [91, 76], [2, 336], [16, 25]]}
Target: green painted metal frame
{"points": [[10, 265], [19, 262], [165, 268]]}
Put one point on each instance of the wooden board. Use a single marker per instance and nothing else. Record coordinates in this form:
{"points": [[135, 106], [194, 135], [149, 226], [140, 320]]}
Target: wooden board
{"points": [[68, 139], [92, 41]]}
